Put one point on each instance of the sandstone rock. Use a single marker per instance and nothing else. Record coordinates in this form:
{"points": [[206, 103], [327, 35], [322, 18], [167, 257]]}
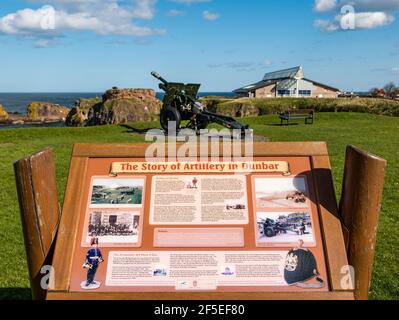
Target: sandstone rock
{"points": [[117, 106], [79, 114], [44, 111], [4, 116], [137, 94], [120, 111]]}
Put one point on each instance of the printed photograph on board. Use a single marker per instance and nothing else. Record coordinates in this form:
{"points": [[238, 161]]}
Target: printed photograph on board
{"points": [[113, 227], [284, 228], [116, 193], [281, 192]]}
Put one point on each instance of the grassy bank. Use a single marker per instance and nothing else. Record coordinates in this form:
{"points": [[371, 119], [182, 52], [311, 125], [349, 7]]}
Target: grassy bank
{"points": [[377, 134], [271, 106]]}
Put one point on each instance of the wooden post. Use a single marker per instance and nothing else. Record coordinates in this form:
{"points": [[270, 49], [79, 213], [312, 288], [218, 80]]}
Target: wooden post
{"points": [[40, 214], [360, 210]]}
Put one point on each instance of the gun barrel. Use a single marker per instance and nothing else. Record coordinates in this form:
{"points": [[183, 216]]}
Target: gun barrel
{"points": [[158, 76]]}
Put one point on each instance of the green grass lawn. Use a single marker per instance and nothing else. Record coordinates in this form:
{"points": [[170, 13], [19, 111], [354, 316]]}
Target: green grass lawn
{"points": [[377, 134]]}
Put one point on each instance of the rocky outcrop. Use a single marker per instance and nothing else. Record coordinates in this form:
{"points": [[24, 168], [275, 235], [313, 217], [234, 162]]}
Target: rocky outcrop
{"points": [[44, 111], [79, 114], [126, 94], [124, 111], [4, 116], [117, 106]]}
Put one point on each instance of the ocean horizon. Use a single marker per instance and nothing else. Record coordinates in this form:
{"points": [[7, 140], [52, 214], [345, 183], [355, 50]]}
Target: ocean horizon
{"points": [[18, 102]]}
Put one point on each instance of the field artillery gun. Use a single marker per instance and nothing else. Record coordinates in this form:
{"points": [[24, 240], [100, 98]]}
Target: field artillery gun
{"points": [[271, 228], [180, 104]]}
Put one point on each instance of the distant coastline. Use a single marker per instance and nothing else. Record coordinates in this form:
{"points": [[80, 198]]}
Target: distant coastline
{"points": [[17, 102]]}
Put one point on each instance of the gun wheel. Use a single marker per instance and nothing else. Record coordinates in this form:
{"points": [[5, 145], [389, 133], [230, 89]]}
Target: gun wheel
{"points": [[202, 122], [170, 119], [269, 232]]}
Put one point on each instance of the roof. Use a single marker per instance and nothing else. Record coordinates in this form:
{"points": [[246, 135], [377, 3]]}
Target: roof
{"points": [[277, 76], [291, 73], [255, 86], [272, 78], [322, 85]]}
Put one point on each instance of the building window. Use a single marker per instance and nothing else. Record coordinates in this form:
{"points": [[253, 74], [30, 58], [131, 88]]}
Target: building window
{"points": [[284, 93], [305, 93]]}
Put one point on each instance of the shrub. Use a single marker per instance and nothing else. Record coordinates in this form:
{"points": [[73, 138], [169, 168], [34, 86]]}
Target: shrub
{"points": [[267, 106]]}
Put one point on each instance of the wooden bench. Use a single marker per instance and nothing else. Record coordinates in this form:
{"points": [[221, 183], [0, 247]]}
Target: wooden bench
{"points": [[306, 114]]}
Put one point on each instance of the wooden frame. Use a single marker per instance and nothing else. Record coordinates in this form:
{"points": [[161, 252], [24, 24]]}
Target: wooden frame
{"points": [[327, 208], [40, 213], [360, 207]]}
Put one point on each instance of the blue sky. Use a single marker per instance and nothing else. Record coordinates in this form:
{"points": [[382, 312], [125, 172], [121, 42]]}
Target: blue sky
{"points": [[92, 45]]}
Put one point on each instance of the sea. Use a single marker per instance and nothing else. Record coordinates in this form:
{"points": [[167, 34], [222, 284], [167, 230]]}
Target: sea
{"points": [[17, 102]]}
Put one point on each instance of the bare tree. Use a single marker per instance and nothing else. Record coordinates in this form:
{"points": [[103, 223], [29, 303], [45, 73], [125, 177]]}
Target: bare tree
{"points": [[390, 90]]}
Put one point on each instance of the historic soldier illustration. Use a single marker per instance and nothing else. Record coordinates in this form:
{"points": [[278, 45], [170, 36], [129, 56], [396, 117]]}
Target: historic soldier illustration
{"points": [[93, 259]]}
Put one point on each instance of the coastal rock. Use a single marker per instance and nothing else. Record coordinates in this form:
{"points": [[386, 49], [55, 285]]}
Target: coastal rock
{"points": [[126, 94], [116, 107], [118, 111], [44, 111], [4, 116], [79, 114]]}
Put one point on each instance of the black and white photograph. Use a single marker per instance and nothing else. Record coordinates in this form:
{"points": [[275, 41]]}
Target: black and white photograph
{"points": [[113, 227], [160, 271], [116, 193], [281, 192], [284, 228]]}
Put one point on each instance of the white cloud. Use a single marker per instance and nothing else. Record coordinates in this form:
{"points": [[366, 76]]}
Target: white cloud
{"points": [[359, 5], [371, 20], [191, 1], [373, 5], [362, 20], [211, 16], [266, 63], [325, 5], [175, 13], [104, 17], [326, 25], [42, 43], [368, 14], [242, 65]]}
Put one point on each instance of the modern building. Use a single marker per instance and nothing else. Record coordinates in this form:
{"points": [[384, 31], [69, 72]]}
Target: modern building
{"points": [[287, 83]]}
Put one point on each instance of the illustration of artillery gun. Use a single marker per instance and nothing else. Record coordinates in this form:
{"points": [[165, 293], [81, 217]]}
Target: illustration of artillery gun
{"points": [[180, 104]]}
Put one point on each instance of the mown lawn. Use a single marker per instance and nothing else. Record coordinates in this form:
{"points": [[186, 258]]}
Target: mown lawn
{"points": [[377, 134]]}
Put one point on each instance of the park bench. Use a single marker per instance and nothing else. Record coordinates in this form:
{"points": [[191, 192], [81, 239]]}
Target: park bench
{"points": [[291, 114]]}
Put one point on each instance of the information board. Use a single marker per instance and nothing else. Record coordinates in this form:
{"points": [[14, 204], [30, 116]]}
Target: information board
{"points": [[199, 227]]}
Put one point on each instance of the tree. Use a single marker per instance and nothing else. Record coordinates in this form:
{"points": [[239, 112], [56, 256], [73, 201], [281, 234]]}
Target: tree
{"points": [[390, 90], [377, 93]]}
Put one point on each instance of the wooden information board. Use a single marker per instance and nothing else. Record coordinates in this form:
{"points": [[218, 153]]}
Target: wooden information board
{"points": [[133, 228]]}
